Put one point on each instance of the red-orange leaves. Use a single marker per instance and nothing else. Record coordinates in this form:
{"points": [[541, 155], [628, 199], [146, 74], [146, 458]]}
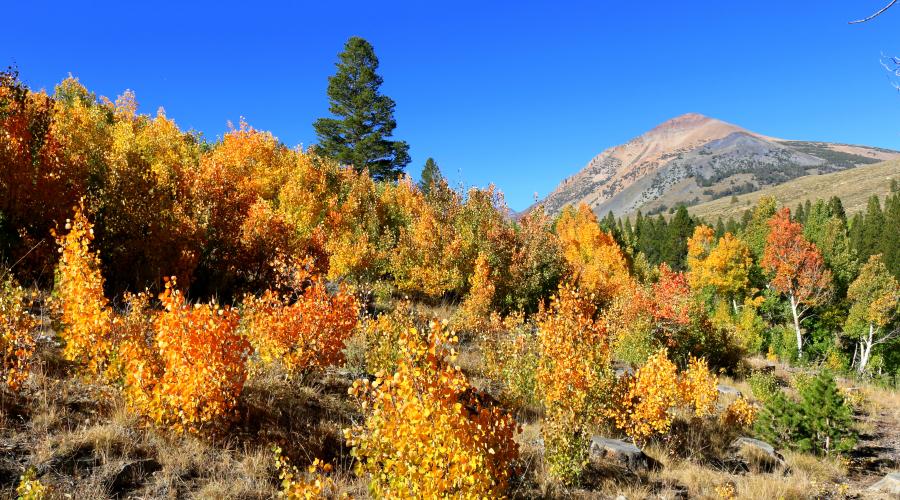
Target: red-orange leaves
{"points": [[796, 268], [672, 301], [795, 264], [308, 334]]}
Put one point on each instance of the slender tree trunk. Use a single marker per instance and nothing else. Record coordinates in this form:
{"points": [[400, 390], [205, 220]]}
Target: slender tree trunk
{"points": [[866, 349], [734, 305], [855, 355], [794, 307]]}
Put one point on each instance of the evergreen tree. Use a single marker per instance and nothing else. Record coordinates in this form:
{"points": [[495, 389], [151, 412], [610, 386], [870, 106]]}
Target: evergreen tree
{"points": [[779, 421], [821, 422], [679, 230], [891, 234], [431, 175], [720, 228], [838, 253], [836, 208], [732, 226], [856, 232], [815, 221], [364, 118], [871, 231], [799, 214], [827, 421]]}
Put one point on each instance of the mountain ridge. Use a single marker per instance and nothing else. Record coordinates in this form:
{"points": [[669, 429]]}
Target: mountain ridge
{"points": [[693, 158]]}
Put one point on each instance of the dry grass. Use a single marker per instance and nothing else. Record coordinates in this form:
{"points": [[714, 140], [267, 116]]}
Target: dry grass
{"points": [[80, 440]]}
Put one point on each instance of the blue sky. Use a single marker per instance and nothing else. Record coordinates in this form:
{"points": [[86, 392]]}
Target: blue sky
{"points": [[521, 94]]}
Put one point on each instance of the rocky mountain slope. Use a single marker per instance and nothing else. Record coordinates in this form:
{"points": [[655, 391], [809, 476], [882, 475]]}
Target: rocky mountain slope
{"points": [[692, 159]]}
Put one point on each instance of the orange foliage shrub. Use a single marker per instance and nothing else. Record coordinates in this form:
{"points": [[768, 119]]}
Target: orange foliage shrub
{"points": [[17, 344], [79, 289], [308, 334], [203, 357], [574, 379], [476, 308], [428, 433]]}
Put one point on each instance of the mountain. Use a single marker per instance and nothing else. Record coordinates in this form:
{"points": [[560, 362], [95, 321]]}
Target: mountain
{"points": [[853, 186], [692, 159]]}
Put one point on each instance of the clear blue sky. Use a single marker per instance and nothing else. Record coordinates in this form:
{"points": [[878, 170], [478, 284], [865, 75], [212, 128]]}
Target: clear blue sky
{"points": [[517, 93]]}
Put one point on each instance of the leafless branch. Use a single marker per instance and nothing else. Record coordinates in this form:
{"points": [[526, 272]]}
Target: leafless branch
{"points": [[873, 16]]}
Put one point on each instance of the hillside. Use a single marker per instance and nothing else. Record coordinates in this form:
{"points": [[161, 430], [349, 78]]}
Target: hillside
{"points": [[853, 187], [692, 159]]}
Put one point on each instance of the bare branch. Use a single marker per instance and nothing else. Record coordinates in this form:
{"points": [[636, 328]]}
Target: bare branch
{"points": [[873, 16]]}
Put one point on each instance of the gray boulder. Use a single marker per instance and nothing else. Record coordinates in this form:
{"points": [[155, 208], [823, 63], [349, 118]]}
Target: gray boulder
{"points": [[727, 390], [890, 484], [748, 454], [623, 453]]}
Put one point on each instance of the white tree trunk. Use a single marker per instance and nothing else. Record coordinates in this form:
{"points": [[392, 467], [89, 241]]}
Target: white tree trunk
{"points": [[734, 304], [865, 349], [796, 314]]}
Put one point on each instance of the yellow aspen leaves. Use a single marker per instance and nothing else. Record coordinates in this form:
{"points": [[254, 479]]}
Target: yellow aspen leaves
{"points": [[427, 432]]}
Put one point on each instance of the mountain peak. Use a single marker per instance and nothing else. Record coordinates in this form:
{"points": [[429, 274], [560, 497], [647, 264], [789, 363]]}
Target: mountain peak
{"points": [[693, 158], [691, 122]]}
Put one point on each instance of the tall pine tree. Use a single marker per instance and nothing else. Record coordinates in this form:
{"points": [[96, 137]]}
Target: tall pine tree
{"points": [[359, 134]]}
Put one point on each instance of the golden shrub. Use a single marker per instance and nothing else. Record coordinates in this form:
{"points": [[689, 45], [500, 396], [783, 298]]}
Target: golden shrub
{"points": [[382, 337], [510, 352], [644, 403], [203, 357], [740, 413], [137, 361], [313, 483], [699, 387], [79, 289], [573, 377], [428, 433], [17, 344]]}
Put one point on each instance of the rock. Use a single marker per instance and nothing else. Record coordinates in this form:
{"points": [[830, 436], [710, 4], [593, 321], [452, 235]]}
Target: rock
{"points": [[621, 370], [890, 484], [624, 453], [750, 454], [728, 390]]}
